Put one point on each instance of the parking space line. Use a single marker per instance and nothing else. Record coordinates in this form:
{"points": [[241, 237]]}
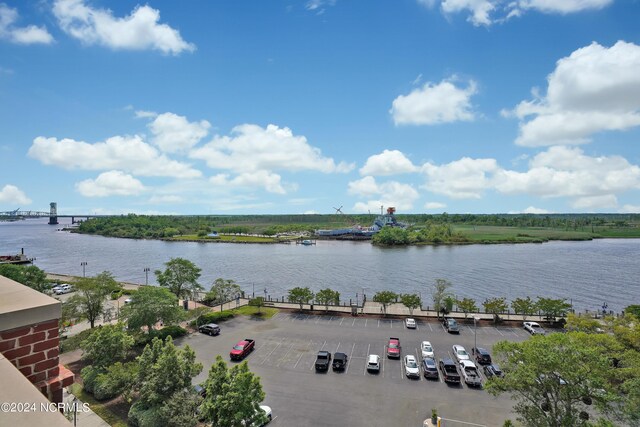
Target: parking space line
{"points": [[302, 354], [391, 323], [271, 352], [430, 328], [285, 355], [418, 358], [346, 371], [337, 348], [318, 318], [402, 368], [417, 326], [354, 321], [365, 322], [499, 331], [341, 321], [384, 357], [378, 323], [330, 319], [366, 360]]}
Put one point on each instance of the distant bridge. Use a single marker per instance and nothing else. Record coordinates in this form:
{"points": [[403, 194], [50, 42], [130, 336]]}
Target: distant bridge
{"points": [[52, 215]]}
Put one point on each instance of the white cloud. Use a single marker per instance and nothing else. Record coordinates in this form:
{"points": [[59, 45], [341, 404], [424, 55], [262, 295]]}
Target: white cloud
{"points": [[30, 34], [166, 199], [531, 210], [140, 30], [594, 89], [630, 209], [173, 133], [111, 183], [443, 102], [142, 114], [487, 12], [251, 148], [128, 153], [318, 6], [391, 193], [461, 179], [568, 172], [10, 194], [267, 180], [434, 205], [389, 162], [595, 202]]}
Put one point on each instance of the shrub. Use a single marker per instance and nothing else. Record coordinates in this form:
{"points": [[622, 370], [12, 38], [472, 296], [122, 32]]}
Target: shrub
{"points": [[174, 331], [219, 316], [89, 375], [142, 416], [116, 380]]}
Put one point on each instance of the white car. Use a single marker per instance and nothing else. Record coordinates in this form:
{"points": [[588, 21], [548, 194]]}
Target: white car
{"points": [[410, 323], [534, 328], [460, 353], [267, 410], [411, 367], [373, 363], [427, 350], [63, 289], [128, 300]]}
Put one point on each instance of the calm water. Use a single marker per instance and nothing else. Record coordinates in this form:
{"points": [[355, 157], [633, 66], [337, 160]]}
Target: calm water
{"points": [[587, 273]]}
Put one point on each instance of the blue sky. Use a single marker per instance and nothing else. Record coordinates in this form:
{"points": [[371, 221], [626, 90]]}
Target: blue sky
{"points": [[218, 107]]}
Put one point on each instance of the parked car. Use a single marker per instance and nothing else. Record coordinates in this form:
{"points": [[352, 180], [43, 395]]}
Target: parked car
{"points": [[339, 361], [323, 360], [410, 323], [460, 353], [493, 371], [451, 325], [393, 348], [373, 363], [63, 289], [128, 300], [470, 373], [534, 328], [429, 368], [411, 368], [449, 371], [209, 329], [427, 350], [242, 349], [482, 355], [267, 411]]}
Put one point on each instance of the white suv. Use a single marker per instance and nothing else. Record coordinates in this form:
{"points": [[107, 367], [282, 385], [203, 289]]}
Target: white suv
{"points": [[373, 363], [411, 368], [410, 323]]}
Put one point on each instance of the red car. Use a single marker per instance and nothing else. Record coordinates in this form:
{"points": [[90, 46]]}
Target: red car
{"points": [[242, 349], [393, 348]]}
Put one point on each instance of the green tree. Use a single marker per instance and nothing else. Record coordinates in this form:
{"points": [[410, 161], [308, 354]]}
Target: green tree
{"points": [[91, 294], [587, 324], [180, 277], [440, 292], [300, 296], [386, 298], [555, 378], [633, 309], [180, 409], [552, 308], [257, 302], [107, 345], [495, 306], [233, 396], [467, 305], [327, 296], [411, 301], [223, 291], [524, 306], [28, 275], [149, 306], [390, 236]]}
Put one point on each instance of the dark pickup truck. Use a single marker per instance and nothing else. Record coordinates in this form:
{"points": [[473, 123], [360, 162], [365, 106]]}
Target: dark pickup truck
{"points": [[242, 349], [449, 371], [323, 360], [339, 361]]}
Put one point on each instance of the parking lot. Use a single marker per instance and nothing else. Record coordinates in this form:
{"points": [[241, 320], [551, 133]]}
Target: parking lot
{"points": [[284, 357]]}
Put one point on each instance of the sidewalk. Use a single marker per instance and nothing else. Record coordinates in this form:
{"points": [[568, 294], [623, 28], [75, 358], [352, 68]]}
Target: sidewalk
{"points": [[83, 417]]}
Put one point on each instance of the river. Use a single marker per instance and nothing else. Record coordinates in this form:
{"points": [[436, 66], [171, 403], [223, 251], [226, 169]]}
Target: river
{"points": [[587, 274]]}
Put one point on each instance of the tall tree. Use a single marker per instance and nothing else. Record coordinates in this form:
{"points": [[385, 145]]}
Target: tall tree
{"points": [[90, 297], [327, 296], [151, 305], [552, 308], [440, 292], [257, 302], [386, 298], [180, 277], [467, 305], [555, 378], [524, 306], [223, 291], [233, 396], [28, 275], [495, 306], [411, 301], [300, 296], [107, 345]]}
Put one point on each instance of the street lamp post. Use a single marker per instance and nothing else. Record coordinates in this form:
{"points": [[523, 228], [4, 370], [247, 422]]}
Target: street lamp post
{"points": [[84, 266], [146, 275]]}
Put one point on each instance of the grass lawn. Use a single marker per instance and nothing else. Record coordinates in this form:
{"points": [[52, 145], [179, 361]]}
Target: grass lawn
{"points": [[495, 234], [111, 417], [246, 310]]}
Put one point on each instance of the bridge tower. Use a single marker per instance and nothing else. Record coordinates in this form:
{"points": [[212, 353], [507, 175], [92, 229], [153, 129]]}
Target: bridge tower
{"points": [[53, 213]]}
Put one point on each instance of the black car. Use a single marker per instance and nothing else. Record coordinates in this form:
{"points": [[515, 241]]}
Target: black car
{"points": [[209, 329], [493, 371], [451, 325], [339, 361], [429, 368], [482, 355]]}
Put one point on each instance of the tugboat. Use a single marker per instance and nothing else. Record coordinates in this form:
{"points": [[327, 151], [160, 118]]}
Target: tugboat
{"points": [[20, 258]]}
